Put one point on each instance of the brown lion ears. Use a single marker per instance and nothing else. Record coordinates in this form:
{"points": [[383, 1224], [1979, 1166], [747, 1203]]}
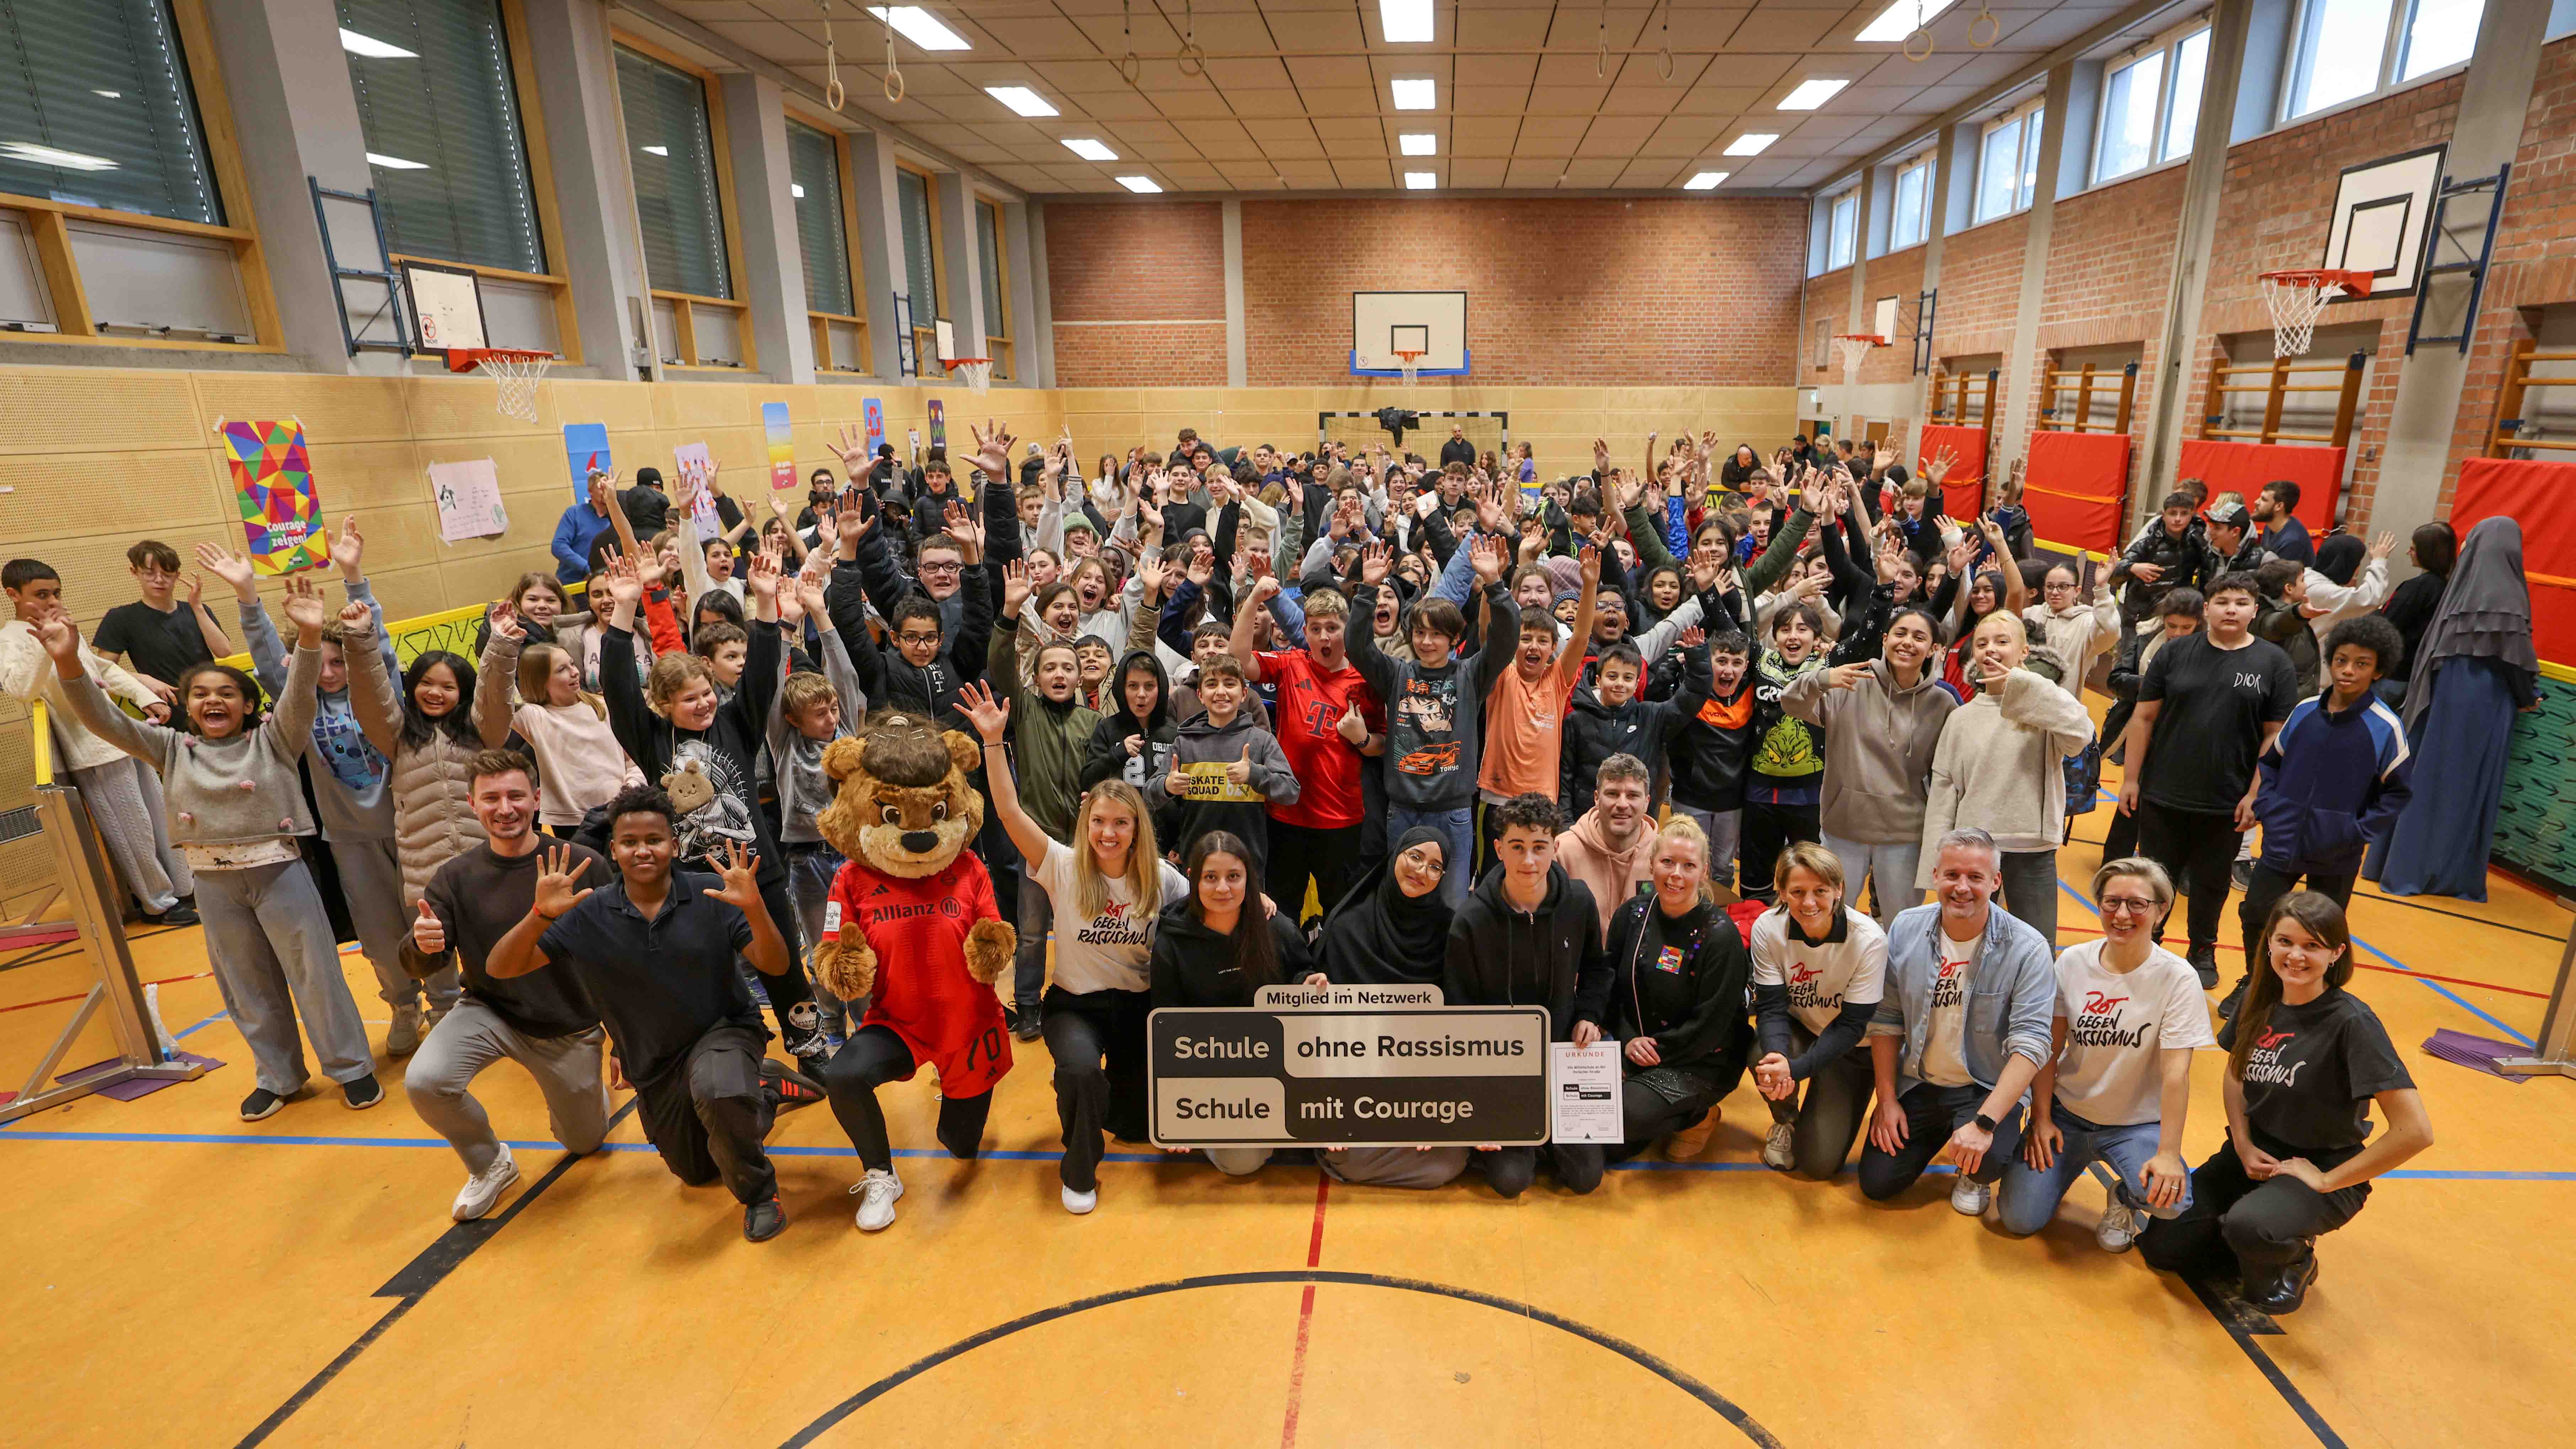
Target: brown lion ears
{"points": [[964, 753], [841, 758]]}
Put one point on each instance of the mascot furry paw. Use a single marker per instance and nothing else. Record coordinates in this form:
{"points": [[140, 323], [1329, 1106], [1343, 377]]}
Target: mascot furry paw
{"points": [[912, 924]]}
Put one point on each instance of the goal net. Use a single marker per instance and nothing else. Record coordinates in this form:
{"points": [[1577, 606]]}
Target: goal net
{"points": [[1489, 431]]}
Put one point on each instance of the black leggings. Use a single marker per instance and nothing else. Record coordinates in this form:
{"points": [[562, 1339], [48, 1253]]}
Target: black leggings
{"points": [[1768, 830], [2197, 847], [1082, 1028], [1662, 1100], [872, 1057], [2258, 1230]]}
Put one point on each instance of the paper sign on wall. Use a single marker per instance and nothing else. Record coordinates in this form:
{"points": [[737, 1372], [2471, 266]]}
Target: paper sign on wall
{"points": [[782, 446], [874, 412], [469, 500], [586, 448], [912, 440], [693, 462], [273, 484]]}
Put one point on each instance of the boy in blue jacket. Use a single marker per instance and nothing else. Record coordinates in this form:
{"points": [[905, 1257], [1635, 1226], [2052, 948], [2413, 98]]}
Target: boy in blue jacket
{"points": [[2333, 777]]}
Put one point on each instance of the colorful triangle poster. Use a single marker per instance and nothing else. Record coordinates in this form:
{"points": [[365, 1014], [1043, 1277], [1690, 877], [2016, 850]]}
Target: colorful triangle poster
{"points": [[273, 481]]}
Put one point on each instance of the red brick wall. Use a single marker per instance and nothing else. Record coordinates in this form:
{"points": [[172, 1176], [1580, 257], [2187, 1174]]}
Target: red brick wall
{"points": [[2110, 262], [1559, 291], [1138, 293]]}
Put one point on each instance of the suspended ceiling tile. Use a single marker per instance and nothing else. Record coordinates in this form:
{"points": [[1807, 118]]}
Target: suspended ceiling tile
{"points": [[1481, 173], [1385, 68], [1344, 127], [1586, 28], [1514, 71], [1080, 75], [1565, 100], [1537, 175], [1580, 70], [1249, 73], [1363, 172], [1150, 36], [1653, 172], [1029, 34], [1119, 105], [1346, 72], [1516, 28], [1321, 101], [1243, 150], [1162, 151], [1592, 172], [1529, 145]]}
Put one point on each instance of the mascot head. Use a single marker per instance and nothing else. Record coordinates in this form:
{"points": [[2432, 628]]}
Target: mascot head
{"points": [[903, 806]]}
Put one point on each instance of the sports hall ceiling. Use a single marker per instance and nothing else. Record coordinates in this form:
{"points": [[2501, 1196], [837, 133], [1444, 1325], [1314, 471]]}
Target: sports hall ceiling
{"points": [[1297, 95]]}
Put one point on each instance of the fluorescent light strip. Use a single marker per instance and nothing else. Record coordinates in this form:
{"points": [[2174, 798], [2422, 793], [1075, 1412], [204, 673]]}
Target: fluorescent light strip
{"points": [[657, 150], [1405, 21], [920, 27], [1752, 143], [1705, 181], [1415, 92], [395, 163], [1139, 184], [1418, 143], [372, 48], [1811, 93], [1421, 180], [1902, 19], [796, 191], [56, 156], [1089, 149], [1021, 100]]}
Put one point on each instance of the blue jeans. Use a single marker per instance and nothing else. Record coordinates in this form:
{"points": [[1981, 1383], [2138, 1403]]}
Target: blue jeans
{"points": [[1457, 834], [1891, 869], [1931, 1115], [810, 868], [2028, 1198]]}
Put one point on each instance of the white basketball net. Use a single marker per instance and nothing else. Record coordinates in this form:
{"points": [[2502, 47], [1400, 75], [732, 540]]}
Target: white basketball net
{"points": [[976, 375], [518, 378], [1855, 352], [2296, 303], [1410, 364]]}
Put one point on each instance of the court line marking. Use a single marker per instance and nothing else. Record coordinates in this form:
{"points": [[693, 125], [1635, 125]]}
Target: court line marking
{"points": [[1725, 1407], [1305, 1315], [2264, 1364]]}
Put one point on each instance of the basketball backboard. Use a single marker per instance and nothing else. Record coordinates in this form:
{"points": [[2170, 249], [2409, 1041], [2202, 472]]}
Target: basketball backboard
{"points": [[2381, 213], [1431, 323], [446, 307]]}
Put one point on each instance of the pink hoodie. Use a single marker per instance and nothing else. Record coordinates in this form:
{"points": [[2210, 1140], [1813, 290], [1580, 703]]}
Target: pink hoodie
{"points": [[1614, 876]]}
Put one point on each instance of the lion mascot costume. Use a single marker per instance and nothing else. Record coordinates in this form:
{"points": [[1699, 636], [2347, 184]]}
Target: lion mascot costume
{"points": [[912, 926]]}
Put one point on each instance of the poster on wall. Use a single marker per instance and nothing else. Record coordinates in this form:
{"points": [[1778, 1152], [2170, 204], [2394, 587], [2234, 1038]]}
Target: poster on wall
{"points": [[585, 449], [468, 496], [873, 411], [693, 462], [782, 446], [281, 515], [938, 425]]}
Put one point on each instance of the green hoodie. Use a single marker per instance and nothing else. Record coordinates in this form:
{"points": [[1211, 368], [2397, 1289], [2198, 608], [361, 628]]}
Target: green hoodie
{"points": [[1047, 739]]}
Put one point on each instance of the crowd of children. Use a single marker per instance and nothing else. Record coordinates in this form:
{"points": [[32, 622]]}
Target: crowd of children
{"points": [[1246, 716]]}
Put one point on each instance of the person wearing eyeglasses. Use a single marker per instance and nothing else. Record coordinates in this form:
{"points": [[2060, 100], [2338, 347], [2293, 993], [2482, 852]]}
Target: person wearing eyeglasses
{"points": [[2117, 1085], [2068, 626], [157, 637]]}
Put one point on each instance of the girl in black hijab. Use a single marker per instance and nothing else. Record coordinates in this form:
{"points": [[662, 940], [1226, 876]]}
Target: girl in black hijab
{"points": [[1392, 930]]}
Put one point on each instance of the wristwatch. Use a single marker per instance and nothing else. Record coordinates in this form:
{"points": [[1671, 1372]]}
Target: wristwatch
{"points": [[1985, 1123]]}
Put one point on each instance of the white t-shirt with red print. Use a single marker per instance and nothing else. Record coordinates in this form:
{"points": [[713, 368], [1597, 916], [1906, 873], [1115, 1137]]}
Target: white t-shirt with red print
{"points": [[2117, 1024], [1107, 952], [1847, 968], [1945, 1040]]}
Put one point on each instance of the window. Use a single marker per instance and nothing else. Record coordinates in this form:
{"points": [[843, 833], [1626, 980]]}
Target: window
{"points": [[921, 270], [814, 170], [1910, 221], [98, 109], [2151, 104], [2344, 49], [997, 310], [678, 204], [442, 131], [1843, 229], [2008, 162]]}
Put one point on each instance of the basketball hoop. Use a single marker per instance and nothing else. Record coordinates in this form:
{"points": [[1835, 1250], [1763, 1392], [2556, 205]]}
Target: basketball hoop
{"points": [[516, 370], [1855, 350], [975, 372], [2297, 297], [1410, 364]]}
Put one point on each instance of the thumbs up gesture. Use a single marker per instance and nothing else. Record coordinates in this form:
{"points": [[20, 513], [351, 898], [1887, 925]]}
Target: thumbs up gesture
{"points": [[1240, 772], [429, 933]]}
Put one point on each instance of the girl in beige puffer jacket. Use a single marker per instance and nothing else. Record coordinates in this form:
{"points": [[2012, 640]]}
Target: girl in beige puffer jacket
{"points": [[428, 734]]}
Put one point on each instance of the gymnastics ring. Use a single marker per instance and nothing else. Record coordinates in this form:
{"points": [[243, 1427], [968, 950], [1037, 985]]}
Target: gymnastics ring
{"points": [[834, 93], [1192, 59], [1994, 31], [1664, 62], [1131, 68], [1925, 32], [894, 86]]}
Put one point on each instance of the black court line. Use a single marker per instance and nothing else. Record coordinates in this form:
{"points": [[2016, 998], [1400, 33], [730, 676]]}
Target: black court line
{"points": [[413, 1283], [2244, 1323], [1725, 1407]]}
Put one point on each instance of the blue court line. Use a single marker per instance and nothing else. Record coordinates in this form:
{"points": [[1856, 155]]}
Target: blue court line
{"points": [[548, 1144]]}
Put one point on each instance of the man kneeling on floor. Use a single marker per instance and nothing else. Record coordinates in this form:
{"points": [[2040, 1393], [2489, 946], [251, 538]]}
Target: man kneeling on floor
{"points": [[653, 949], [1960, 1033], [1530, 935]]}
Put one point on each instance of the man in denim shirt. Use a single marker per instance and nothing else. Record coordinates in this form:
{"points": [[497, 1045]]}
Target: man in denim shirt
{"points": [[1961, 1032]]}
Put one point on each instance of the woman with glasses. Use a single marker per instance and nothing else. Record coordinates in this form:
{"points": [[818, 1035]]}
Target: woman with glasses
{"points": [[2117, 1086], [2068, 627]]}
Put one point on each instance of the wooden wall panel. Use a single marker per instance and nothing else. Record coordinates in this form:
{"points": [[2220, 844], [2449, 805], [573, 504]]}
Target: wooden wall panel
{"points": [[67, 495], [621, 405], [341, 409], [75, 409]]}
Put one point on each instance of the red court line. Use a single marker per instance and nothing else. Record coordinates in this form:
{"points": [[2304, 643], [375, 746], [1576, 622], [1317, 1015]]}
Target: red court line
{"points": [[2363, 965], [1305, 1316], [58, 1000]]}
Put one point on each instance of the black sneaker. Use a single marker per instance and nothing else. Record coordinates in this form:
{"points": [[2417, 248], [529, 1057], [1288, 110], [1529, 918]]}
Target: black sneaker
{"points": [[2204, 960], [260, 1105], [363, 1093], [179, 914], [788, 1090], [764, 1219], [2285, 1293], [2235, 998], [2242, 876], [1025, 1025]]}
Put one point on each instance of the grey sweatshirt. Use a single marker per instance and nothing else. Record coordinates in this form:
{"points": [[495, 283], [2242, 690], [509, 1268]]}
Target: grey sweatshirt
{"points": [[237, 791], [349, 775], [1879, 742]]}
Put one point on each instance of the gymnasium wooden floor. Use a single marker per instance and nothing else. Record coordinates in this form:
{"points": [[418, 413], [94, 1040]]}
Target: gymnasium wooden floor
{"points": [[174, 1276]]}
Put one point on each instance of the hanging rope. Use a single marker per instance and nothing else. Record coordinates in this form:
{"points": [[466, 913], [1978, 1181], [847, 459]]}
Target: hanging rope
{"points": [[1130, 68], [833, 92], [1601, 66], [1987, 18], [1664, 57], [1192, 59], [1920, 32], [894, 71]]}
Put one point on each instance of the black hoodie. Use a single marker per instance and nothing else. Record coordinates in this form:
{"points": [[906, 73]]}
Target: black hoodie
{"points": [[1194, 966], [1551, 957], [1681, 981], [1107, 757], [1642, 727]]}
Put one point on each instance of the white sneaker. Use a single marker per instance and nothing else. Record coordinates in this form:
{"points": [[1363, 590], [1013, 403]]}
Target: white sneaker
{"points": [[1776, 1145], [403, 1037], [2118, 1229], [1968, 1197], [877, 1192], [1078, 1203], [484, 1188]]}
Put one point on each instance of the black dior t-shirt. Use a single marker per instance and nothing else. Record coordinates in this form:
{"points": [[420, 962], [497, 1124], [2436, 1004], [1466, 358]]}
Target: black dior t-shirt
{"points": [[2313, 1071]]}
